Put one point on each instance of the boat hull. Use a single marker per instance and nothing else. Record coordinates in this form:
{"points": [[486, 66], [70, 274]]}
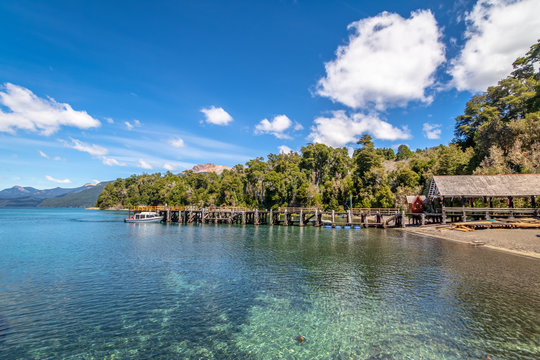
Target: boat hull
{"points": [[151, 220]]}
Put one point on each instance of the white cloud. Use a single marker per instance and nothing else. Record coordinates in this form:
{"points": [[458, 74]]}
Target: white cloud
{"points": [[284, 149], [111, 161], [94, 150], [168, 167], [57, 158], [388, 61], [43, 154], [128, 125], [109, 120], [32, 113], [144, 165], [275, 127], [432, 131], [341, 129], [58, 181], [298, 126], [216, 116], [498, 32], [177, 143], [95, 181]]}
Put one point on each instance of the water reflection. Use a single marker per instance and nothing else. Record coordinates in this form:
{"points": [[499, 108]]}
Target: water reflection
{"points": [[109, 289]]}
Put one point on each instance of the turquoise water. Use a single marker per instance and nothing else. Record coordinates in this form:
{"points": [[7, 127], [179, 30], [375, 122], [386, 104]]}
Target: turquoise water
{"points": [[78, 284]]}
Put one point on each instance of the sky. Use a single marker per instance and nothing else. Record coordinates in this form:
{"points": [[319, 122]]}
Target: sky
{"points": [[94, 91]]}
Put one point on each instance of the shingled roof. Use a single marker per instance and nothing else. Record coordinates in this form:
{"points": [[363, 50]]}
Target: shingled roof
{"points": [[485, 185]]}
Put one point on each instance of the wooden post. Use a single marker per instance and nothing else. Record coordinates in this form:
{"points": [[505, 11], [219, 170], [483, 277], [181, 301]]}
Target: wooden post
{"points": [[349, 217], [202, 216], [243, 217], [256, 220], [168, 215], [422, 219], [301, 218], [443, 217], [333, 218], [271, 221], [402, 219], [463, 214], [316, 223], [365, 219]]}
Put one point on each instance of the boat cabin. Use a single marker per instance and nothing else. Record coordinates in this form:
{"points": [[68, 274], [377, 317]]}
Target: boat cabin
{"points": [[145, 215]]}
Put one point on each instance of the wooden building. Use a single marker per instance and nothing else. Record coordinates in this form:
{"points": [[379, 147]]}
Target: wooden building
{"points": [[416, 203], [467, 188]]}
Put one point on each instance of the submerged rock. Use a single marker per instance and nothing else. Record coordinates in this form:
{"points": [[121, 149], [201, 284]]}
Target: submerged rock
{"points": [[300, 339]]}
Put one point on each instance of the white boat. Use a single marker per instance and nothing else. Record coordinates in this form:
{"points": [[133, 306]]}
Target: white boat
{"points": [[144, 217]]}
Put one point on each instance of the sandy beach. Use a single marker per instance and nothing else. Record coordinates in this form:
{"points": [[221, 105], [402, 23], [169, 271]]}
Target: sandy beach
{"points": [[516, 241]]}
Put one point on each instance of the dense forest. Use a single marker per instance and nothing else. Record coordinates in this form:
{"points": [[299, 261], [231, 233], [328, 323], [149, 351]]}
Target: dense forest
{"points": [[498, 133]]}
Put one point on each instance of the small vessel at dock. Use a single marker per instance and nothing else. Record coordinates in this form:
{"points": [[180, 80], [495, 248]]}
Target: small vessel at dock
{"points": [[144, 217]]}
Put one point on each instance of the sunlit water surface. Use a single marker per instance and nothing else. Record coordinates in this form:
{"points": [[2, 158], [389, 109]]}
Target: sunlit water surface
{"points": [[78, 284]]}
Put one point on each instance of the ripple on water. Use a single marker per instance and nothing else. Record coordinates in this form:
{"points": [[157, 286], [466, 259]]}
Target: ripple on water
{"points": [[86, 285]]}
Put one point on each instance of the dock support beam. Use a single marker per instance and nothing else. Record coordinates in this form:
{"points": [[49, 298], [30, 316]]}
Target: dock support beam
{"points": [[301, 223], [333, 218]]}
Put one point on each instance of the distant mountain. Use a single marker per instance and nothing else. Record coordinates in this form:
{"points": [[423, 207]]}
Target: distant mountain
{"points": [[81, 199], [83, 196], [206, 168], [19, 192]]}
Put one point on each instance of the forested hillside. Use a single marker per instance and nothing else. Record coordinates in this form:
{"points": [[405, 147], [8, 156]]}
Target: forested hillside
{"points": [[498, 133]]}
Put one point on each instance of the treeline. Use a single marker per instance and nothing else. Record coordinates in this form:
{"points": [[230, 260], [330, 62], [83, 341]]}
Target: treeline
{"points": [[498, 133]]}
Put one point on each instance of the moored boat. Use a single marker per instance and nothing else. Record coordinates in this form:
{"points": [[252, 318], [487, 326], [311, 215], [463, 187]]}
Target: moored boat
{"points": [[144, 217]]}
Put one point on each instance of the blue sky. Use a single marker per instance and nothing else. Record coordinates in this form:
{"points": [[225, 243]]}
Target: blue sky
{"points": [[99, 90]]}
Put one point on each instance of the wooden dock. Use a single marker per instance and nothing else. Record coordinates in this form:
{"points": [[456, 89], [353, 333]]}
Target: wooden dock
{"points": [[356, 217], [289, 216]]}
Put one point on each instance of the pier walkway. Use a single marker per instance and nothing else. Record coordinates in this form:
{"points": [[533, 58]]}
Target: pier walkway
{"points": [[357, 217], [369, 217]]}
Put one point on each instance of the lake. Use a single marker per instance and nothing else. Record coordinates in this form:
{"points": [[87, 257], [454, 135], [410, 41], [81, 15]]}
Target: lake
{"points": [[78, 284]]}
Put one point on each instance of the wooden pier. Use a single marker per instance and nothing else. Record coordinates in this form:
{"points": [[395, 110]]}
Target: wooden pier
{"points": [[290, 216], [357, 217]]}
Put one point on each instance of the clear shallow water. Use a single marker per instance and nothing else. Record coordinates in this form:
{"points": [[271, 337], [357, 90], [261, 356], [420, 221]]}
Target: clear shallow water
{"points": [[78, 284]]}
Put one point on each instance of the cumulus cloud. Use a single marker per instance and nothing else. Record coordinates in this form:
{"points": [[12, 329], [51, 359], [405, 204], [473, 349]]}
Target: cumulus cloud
{"points": [[298, 126], [32, 113], [432, 131], [109, 120], [340, 129], [58, 181], [388, 61], [168, 167], [94, 150], [283, 149], [111, 161], [216, 116], [43, 154], [276, 127], [177, 143], [144, 165], [498, 32]]}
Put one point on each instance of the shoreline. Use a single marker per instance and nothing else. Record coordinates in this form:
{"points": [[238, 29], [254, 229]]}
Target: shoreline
{"points": [[522, 242]]}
